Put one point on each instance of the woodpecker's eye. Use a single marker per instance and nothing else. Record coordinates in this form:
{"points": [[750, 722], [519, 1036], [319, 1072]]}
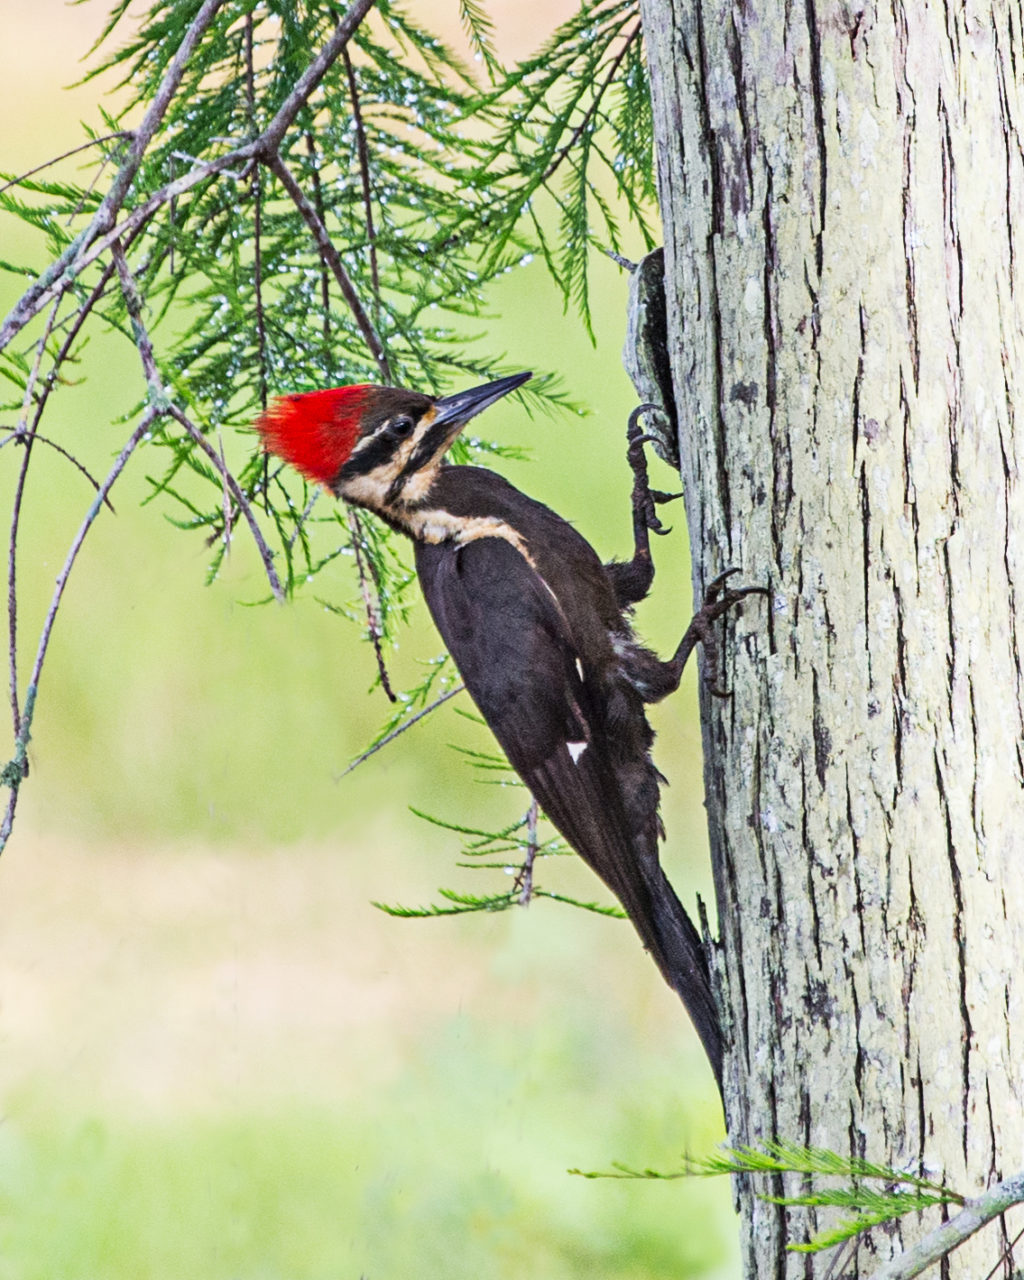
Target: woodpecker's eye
{"points": [[399, 428]]}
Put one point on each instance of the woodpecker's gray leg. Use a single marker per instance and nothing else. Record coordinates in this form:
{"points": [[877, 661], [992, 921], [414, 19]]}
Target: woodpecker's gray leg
{"points": [[656, 679], [632, 580], [718, 600]]}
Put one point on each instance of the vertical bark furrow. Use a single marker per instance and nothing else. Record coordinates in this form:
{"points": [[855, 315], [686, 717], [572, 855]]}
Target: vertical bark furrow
{"points": [[909, 240], [819, 152], [956, 889]]}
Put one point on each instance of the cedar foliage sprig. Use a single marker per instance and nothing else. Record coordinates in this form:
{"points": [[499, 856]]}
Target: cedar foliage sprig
{"points": [[901, 1193]]}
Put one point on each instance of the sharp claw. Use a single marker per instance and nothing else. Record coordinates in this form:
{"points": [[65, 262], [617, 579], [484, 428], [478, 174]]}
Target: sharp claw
{"points": [[633, 426], [660, 496]]}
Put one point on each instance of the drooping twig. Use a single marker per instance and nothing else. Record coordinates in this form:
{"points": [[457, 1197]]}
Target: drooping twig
{"points": [[266, 555], [371, 606], [330, 255], [133, 302], [19, 492], [16, 770], [30, 435], [400, 729], [306, 512], [524, 880], [325, 279]]}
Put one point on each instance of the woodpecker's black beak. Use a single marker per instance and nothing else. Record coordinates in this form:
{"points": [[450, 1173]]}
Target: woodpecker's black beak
{"points": [[455, 411], [450, 415]]}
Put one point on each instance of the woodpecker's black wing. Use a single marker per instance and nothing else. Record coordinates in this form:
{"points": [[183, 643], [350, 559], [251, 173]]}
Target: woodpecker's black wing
{"points": [[510, 640]]}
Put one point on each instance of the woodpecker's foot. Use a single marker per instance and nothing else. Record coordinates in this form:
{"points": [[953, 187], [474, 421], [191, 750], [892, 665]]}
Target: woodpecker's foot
{"points": [[644, 497], [719, 598]]}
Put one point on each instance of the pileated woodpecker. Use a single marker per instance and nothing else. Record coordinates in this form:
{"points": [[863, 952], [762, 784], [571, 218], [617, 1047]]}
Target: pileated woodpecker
{"points": [[538, 628]]}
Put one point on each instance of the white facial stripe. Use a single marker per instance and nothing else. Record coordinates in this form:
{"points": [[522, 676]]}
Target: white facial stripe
{"points": [[576, 749]]}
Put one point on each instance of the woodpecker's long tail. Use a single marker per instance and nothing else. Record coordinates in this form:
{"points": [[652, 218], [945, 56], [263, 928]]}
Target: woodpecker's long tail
{"points": [[627, 861]]}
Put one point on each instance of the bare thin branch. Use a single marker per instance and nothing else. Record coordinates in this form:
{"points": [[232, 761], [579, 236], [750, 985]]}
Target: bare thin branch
{"points": [[946, 1237], [257, 229], [325, 279], [330, 256], [66, 155], [524, 880], [154, 386], [306, 512], [30, 435], [19, 493], [364, 176]]}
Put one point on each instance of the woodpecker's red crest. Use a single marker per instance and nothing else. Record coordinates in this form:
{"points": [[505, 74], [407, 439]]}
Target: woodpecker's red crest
{"points": [[315, 431]]}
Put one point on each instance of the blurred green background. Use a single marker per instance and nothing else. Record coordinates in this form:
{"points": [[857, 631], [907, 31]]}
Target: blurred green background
{"points": [[217, 1059]]}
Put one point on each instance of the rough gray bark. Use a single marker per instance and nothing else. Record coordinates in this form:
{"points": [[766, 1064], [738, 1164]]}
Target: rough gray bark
{"points": [[842, 188]]}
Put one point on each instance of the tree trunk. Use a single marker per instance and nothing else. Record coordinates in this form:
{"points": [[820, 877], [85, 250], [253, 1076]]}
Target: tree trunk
{"points": [[842, 189]]}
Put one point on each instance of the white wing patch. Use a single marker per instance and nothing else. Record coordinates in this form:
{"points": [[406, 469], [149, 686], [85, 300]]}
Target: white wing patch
{"points": [[576, 749]]}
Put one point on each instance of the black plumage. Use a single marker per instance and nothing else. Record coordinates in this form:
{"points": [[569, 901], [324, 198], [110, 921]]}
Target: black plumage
{"points": [[549, 657]]}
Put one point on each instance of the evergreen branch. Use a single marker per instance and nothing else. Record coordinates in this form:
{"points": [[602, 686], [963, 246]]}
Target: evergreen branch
{"points": [[480, 30], [598, 908], [592, 110], [163, 406], [103, 230], [307, 83], [872, 1207], [781, 1156], [461, 904]]}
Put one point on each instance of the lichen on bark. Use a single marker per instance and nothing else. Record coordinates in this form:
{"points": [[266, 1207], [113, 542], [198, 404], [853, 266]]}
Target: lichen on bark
{"points": [[842, 190]]}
